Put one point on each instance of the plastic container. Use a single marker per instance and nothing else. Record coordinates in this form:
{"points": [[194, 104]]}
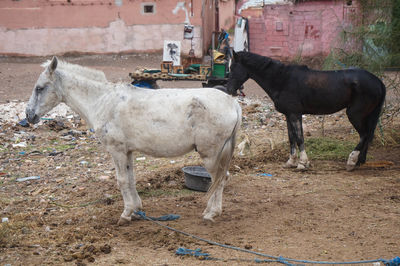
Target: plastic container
{"points": [[197, 178], [219, 71]]}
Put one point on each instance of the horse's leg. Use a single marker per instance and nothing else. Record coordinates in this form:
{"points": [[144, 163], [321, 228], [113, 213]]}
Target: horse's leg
{"points": [[126, 182], [132, 185], [217, 164], [292, 162], [358, 120], [295, 121], [214, 204]]}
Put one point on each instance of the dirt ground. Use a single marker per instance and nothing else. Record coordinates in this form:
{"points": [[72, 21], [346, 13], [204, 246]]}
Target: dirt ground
{"points": [[69, 216]]}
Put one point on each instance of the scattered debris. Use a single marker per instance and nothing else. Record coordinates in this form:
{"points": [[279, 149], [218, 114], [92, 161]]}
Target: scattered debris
{"points": [[248, 246], [103, 177], [244, 146], [264, 174], [23, 123], [106, 249], [55, 153], [14, 111], [22, 179], [20, 145]]}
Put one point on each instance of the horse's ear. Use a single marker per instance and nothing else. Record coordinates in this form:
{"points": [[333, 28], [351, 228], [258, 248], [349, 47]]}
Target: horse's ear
{"points": [[53, 65]]}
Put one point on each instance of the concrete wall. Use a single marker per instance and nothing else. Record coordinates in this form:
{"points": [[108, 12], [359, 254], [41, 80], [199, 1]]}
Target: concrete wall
{"points": [[47, 27], [306, 28]]}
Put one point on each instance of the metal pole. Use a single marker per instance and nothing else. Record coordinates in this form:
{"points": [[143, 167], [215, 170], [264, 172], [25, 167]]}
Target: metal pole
{"points": [[212, 51]]}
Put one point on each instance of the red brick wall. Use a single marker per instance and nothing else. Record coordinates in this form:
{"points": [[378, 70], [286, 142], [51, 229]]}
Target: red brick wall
{"points": [[307, 28]]}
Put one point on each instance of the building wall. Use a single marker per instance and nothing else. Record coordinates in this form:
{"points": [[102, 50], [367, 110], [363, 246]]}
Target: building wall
{"points": [[226, 14], [209, 21], [47, 27], [226, 19], [304, 29]]}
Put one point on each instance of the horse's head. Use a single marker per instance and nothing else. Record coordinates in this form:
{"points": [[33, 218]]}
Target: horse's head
{"points": [[45, 95], [238, 75]]}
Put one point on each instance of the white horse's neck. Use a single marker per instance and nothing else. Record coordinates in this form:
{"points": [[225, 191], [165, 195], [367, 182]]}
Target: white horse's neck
{"points": [[85, 96]]}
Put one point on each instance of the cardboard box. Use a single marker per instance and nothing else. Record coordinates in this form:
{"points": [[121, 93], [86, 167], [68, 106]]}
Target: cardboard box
{"points": [[178, 69], [167, 67], [205, 70]]}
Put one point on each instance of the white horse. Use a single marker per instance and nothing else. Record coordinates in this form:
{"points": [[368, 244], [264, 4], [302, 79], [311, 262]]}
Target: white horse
{"points": [[161, 123]]}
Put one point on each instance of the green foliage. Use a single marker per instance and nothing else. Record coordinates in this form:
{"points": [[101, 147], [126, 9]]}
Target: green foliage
{"points": [[328, 149], [371, 41], [395, 33], [59, 147], [3, 148]]}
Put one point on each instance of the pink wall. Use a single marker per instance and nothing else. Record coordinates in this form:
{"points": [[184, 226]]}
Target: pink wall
{"points": [[46, 27], [226, 18], [208, 22], [226, 14], [303, 29], [90, 13]]}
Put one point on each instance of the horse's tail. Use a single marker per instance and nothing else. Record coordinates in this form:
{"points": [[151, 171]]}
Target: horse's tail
{"points": [[225, 155], [373, 117]]}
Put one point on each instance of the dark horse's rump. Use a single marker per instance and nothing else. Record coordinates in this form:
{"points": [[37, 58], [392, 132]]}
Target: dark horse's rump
{"points": [[297, 90]]}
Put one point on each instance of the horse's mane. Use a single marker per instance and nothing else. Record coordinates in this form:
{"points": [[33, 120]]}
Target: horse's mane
{"points": [[261, 63], [256, 61], [86, 72]]}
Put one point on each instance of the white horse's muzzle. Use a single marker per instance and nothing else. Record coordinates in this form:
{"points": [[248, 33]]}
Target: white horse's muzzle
{"points": [[32, 117]]}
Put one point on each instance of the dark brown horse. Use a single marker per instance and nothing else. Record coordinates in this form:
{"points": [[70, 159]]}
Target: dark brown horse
{"points": [[297, 90]]}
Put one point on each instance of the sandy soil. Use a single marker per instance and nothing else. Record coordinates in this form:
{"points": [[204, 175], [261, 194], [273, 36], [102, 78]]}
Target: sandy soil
{"points": [[69, 215]]}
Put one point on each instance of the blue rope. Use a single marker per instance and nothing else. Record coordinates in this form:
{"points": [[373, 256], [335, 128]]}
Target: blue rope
{"points": [[280, 259], [393, 262], [192, 252], [168, 217], [206, 256]]}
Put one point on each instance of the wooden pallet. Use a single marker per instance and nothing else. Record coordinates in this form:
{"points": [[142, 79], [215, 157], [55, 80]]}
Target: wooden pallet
{"points": [[140, 75]]}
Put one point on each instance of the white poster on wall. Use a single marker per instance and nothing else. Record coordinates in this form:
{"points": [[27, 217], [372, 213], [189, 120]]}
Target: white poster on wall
{"points": [[172, 52]]}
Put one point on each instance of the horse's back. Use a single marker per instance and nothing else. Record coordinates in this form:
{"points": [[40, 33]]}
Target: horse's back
{"points": [[174, 119], [356, 77], [209, 100], [360, 85], [366, 82], [325, 92]]}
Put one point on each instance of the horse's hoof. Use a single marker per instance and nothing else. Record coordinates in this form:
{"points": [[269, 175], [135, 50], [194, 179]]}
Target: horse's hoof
{"points": [[301, 167], [208, 218], [350, 167], [123, 221], [135, 217], [352, 161], [289, 165]]}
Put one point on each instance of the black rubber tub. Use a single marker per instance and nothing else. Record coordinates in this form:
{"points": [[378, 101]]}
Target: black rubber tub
{"points": [[197, 178]]}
